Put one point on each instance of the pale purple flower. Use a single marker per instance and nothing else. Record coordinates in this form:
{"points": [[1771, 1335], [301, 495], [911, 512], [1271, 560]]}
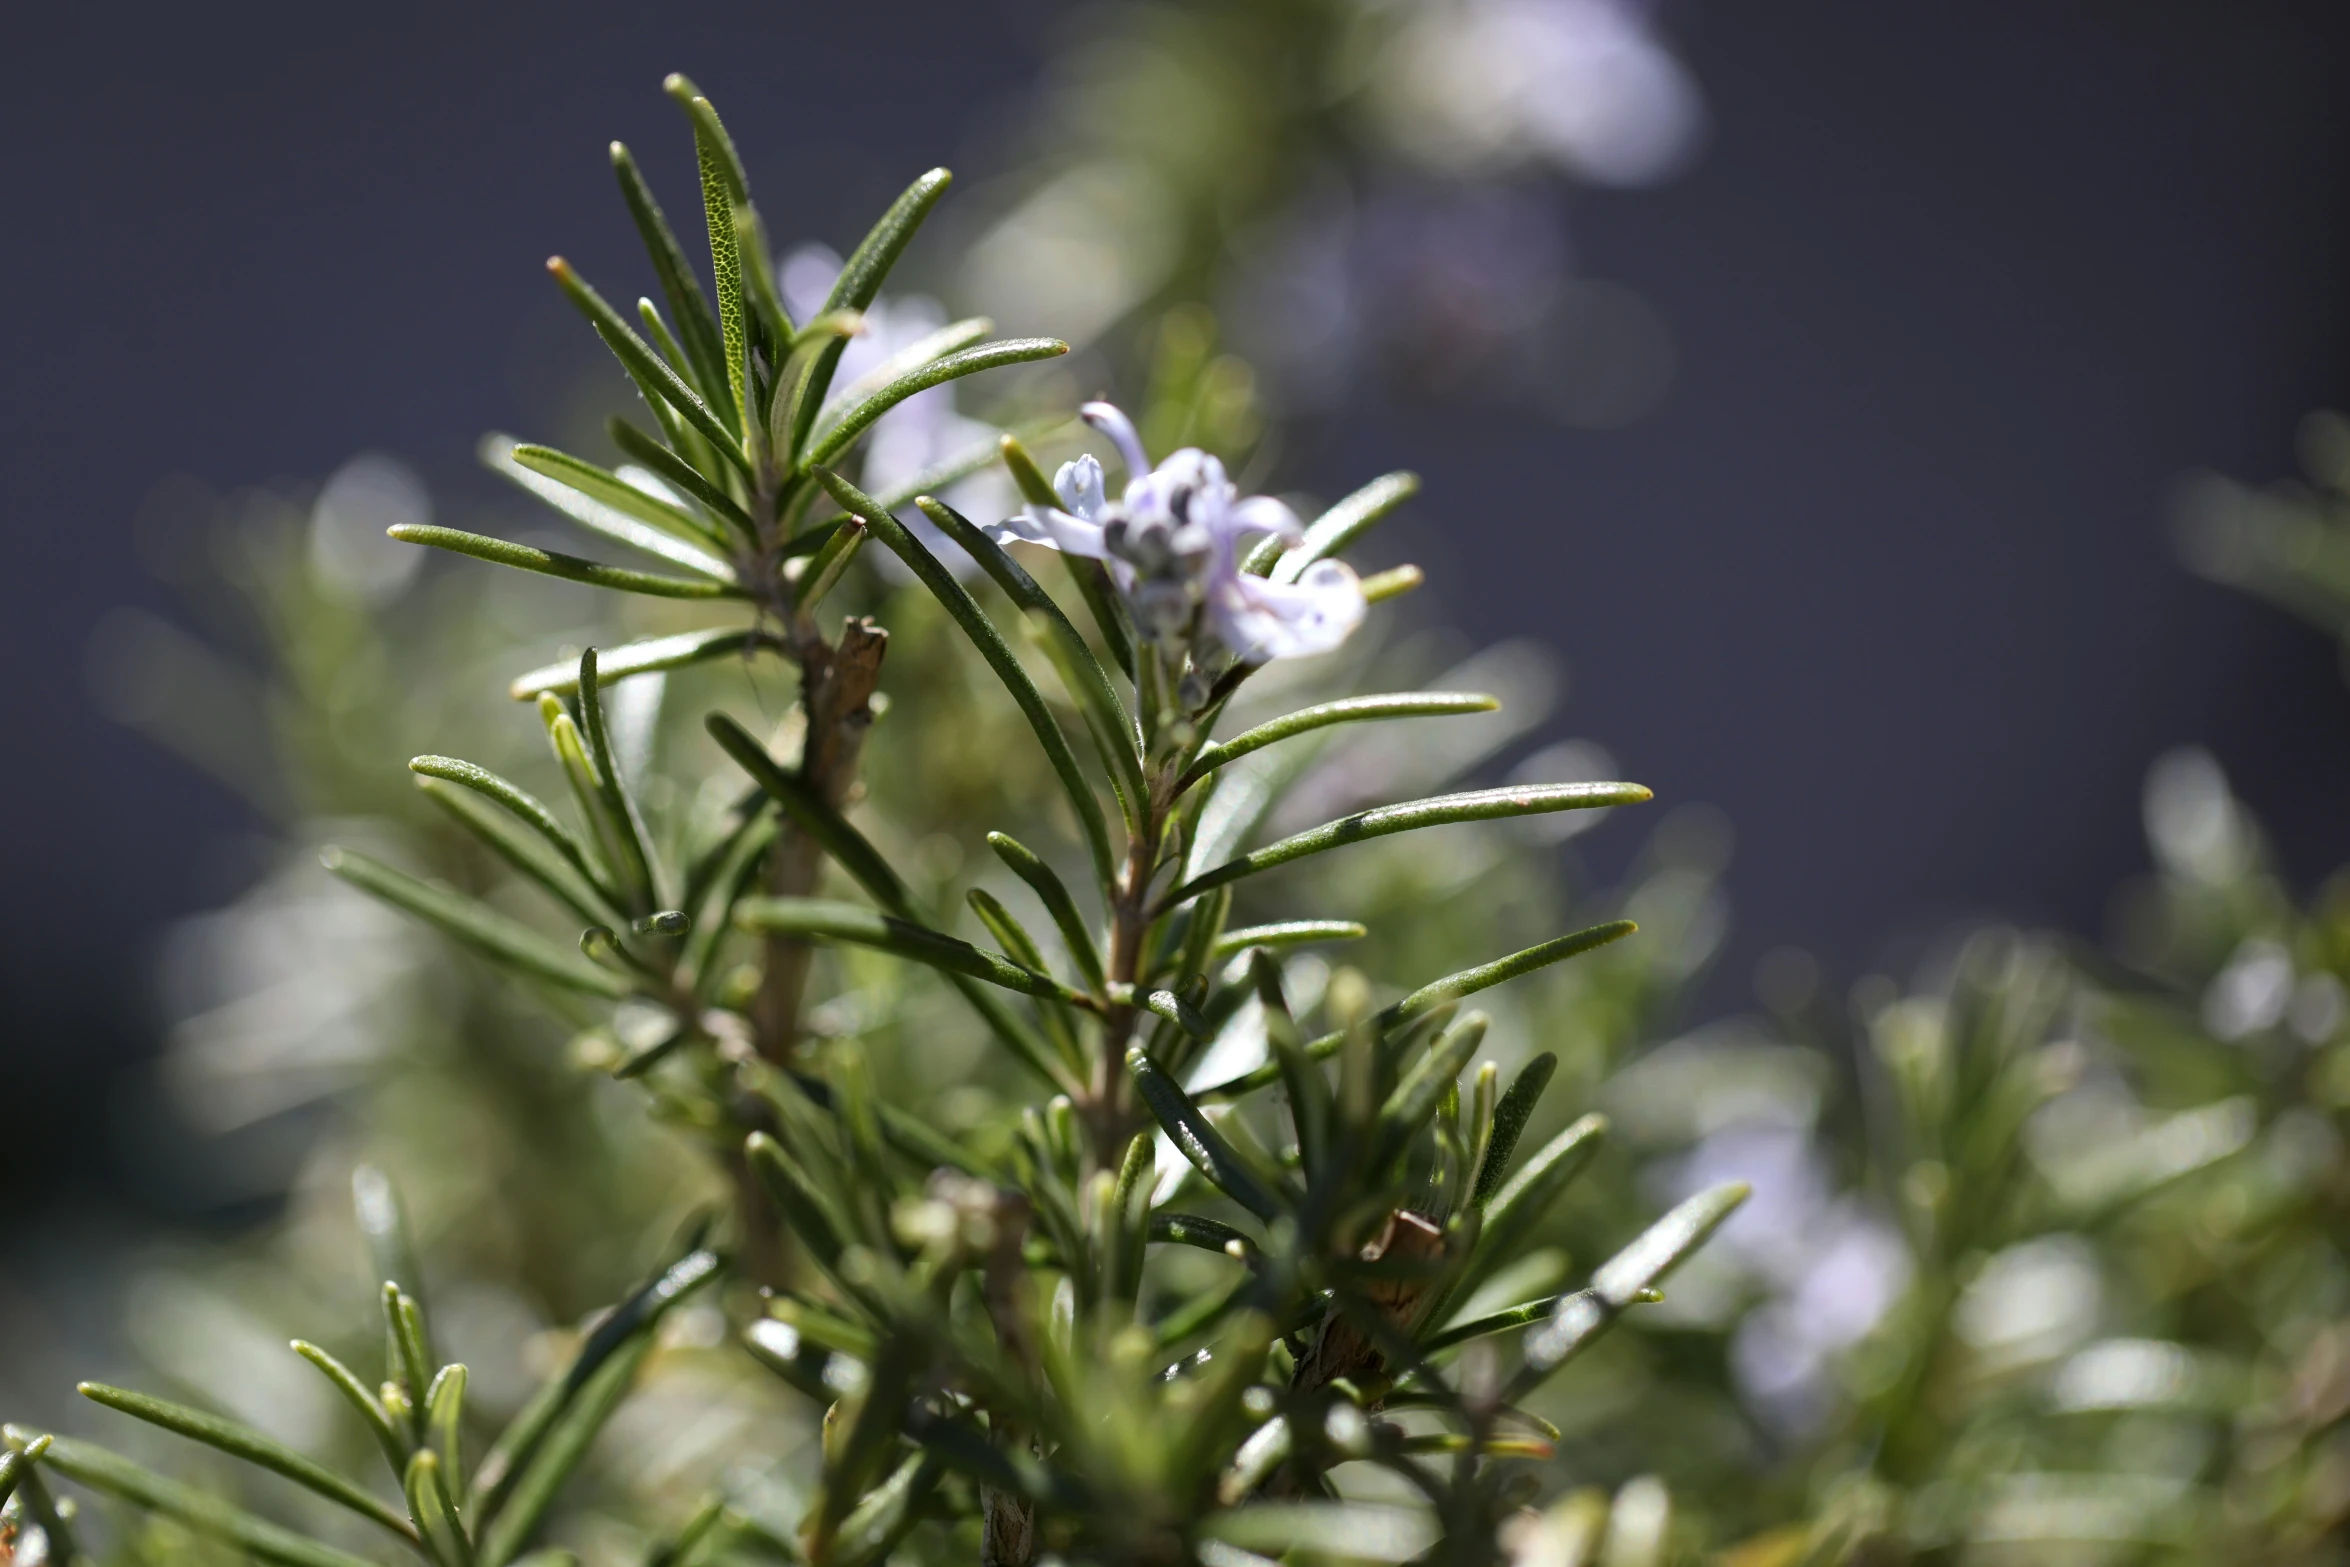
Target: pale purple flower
{"points": [[1172, 542]]}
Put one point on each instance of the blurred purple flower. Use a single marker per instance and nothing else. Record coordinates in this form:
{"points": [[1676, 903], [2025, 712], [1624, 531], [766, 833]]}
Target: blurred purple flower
{"points": [[1172, 544]]}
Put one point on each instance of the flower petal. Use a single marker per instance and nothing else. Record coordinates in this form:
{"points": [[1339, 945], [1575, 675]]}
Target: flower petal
{"points": [[1263, 514], [1261, 620], [1107, 418], [1052, 529], [1079, 485]]}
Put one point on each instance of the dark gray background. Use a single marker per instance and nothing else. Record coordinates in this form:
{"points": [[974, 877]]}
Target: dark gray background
{"points": [[1959, 291]]}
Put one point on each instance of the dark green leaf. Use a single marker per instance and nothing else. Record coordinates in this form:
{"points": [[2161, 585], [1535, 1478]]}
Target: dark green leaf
{"points": [[698, 332], [660, 384], [599, 499], [1114, 734], [1624, 1280], [476, 925], [990, 642], [1509, 1123], [250, 1445], [990, 356], [569, 567], [1054, 893], [101, 1470], [1332, 532], [640, 658], [1199, 1141], [820, 919], [1287, 933], [1356, 709], [1472, 806], [675, 470], [522, 805]]}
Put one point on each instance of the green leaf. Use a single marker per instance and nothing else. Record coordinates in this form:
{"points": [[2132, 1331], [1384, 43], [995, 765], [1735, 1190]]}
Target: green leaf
{"points": [[571, 568], [244, 1442], [1475, 805], [474, 924], [1171, 1006], [811, 1214], [1519, 1207], [807, 811], [1054, 893], [1509, 1123], [1623, 1281], [674, 469], [103, 1471], [13, 1464], [1356, 709], [1451, 988], [1114, 734], [855, 421], [826, 566], [887, 1513], [528, 1461], [444, 1414], [1415, 1098], [860, 281], [966, 612], [723, 187], [1021, 947], [522, 805], [436, 1515], [1199, 1140], [388, 1436], [641, 658], [566, 1442], [1191, 1229], [1286, 933], [697, 332], [922, 351], [1493, 1322], [520, 848], [628, 847], [821, 919], [1485, 976], [1332, 532], [608, 504], [1351, 1531], [660, 384]]}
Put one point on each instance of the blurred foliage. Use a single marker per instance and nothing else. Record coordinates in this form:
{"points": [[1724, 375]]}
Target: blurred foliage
{"points": [[2045, 1258]]}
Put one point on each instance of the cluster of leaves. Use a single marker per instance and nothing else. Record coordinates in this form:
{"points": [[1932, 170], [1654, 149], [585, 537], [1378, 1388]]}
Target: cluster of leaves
{"points": [[1003, 1352]]}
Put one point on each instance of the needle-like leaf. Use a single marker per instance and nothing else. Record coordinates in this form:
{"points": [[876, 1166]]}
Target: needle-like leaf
{"points": [[649, 370], [1054, 894], [1349, 710], [572, 568], [1623, 1281], [1285, 933], [475, 924], [103, 1471], [696, 331], [244, 1442], [1199, 1140], [1337, 528], [817, 918], [990, 642], [641, 658], [989, 356], [1475, 805]]}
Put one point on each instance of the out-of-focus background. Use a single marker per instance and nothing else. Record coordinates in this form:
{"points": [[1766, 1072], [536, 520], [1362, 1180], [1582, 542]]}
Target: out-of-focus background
{"points": [[1822, 402]]}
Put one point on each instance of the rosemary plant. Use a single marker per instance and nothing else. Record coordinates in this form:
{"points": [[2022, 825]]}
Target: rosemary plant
{"points": [[1159, 1314]]}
